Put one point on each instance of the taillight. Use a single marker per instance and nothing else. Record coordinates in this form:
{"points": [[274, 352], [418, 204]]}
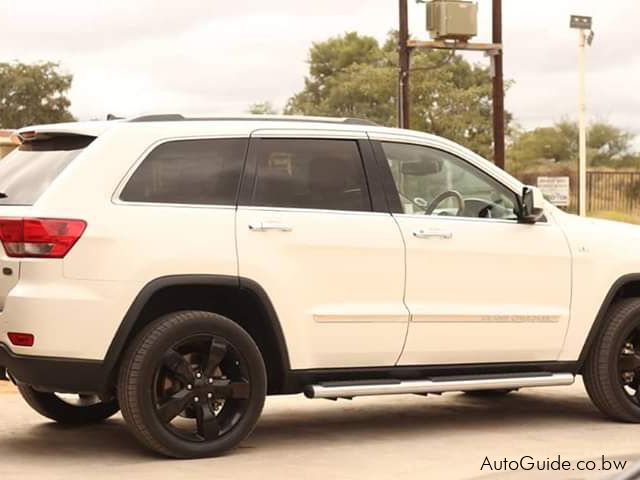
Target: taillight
{"points": [[22, 339], [39, 237]]}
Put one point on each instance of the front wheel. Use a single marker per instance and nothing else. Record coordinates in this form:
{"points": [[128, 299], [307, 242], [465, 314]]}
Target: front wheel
{"points": [[69, 409], [612, 370], [192, 384]]}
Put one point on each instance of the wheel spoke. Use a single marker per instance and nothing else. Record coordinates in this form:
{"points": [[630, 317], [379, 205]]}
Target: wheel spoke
{"points": [[174, 406], [239, 389], [629, 362], [226, 389], [206, 422], [178, 366], [217, 351]]}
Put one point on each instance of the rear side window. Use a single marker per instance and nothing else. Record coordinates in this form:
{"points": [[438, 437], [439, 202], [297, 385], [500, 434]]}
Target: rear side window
{"points": [[28, 171], [197, 172], [310, 173]]}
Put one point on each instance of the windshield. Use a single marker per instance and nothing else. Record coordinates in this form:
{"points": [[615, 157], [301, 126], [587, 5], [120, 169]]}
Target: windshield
{"points": [[29, 170]]}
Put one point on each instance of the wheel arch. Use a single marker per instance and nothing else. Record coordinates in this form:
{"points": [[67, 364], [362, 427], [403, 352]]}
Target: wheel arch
{"points": [[222, 294], [627, 286]]}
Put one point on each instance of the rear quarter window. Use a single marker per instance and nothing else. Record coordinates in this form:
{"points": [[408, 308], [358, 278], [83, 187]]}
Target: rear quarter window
{"points": [[196, 172], [27, 172]]}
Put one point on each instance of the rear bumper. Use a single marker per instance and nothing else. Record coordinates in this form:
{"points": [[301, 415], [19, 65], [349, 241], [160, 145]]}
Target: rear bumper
{"points": [[54, 374]]}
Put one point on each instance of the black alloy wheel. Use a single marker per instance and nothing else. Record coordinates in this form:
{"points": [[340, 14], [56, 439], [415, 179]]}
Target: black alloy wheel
{"points": [[612, 370], [192, 384], [629, 366], [203, 379], [69, 409]]}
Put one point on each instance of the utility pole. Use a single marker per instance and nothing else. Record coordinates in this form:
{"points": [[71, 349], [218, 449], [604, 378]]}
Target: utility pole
{"points": [[498, 88], [456, 40], [404, 52]]}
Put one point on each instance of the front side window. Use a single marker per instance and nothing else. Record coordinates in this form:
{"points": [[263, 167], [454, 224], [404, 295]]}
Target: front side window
{"points": [[196, 172], [434, 182], [310, 173]]}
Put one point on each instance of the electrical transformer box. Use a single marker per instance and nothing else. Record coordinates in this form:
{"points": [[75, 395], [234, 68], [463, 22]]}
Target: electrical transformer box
{"points": [[452, 19]]}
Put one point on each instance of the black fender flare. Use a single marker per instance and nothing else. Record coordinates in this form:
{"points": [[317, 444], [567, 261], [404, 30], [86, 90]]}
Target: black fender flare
{"points": [[119, 342], [601, 319]]}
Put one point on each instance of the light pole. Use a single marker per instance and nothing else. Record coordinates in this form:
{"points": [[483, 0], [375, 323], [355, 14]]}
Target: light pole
{"points": [[582, 24]]}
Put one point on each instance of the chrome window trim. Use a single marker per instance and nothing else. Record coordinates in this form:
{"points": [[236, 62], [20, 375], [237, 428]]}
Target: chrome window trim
{"points": [[310, 210], [470, 219]]}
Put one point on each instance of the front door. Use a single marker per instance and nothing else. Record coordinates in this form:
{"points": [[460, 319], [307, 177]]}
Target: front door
{"points": [[481, 287], [331, 265]]}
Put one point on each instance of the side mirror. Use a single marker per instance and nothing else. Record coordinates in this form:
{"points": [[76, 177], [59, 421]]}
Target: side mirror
{"points": [[531, 205]]}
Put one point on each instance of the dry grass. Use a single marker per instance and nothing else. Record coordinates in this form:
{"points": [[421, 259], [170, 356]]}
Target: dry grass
{"points": [[616, 216]]}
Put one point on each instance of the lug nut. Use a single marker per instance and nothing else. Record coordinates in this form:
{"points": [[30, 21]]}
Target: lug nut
{"points": [[189, 387], [211, 380], [209, 395], [198, 375], [196, 399]]}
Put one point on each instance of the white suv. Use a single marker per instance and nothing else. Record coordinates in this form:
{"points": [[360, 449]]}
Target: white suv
{"points": [[181, 269]]}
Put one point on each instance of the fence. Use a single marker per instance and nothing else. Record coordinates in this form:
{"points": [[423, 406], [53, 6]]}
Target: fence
{"points": [[614, 191]]}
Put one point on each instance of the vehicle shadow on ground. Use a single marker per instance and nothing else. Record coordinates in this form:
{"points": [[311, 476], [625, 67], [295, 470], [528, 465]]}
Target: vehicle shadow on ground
{"points": [[455, 414], [306, 425], [110, 439]]}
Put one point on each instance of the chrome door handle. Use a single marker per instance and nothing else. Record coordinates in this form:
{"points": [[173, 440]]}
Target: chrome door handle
{"points": [[433, 234], [266, 226]]}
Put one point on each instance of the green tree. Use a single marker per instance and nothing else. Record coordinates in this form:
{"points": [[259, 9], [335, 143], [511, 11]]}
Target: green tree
{"points": [[32, 94], [354, 76], [607, 146], [262, 108]]}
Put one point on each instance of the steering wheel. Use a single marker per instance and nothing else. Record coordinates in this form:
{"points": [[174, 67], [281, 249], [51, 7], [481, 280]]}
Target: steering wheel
{"points": [[442, 197], [419, 202]]}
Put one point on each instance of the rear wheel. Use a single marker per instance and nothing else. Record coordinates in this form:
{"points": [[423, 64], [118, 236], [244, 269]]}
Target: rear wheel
{"points": [[193, 384], [69, 409], [612, 370]]}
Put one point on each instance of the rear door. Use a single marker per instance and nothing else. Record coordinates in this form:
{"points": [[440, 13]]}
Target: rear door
{"points": [[329, 257]]}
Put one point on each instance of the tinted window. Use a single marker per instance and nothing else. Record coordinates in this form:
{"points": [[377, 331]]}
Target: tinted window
{"points": [[304, 173], [434, 182], [199, 172], [28, 171]]}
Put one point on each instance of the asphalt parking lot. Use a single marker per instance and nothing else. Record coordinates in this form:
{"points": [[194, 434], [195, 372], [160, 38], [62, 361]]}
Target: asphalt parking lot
{"points": [[437, 437]]}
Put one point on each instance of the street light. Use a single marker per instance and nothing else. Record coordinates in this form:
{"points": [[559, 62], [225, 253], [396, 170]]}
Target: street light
{"points": [[582, 24]]}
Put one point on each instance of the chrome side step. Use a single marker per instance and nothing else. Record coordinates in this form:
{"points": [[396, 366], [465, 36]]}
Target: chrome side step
{"points": [[437, 384]]}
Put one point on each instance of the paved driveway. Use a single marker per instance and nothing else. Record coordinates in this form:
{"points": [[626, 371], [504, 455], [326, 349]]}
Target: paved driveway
{"points": [[439, 437]]}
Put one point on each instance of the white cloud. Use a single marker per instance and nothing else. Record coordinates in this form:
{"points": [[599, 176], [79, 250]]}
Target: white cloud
{"points": [[218, 56]]}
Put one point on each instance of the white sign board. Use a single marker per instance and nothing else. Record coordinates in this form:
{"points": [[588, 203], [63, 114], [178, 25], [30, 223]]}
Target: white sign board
{"points": [[555, 189]]}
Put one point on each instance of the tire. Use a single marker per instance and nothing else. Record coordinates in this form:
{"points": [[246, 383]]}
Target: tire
{"points": [[489, 393], [602, 373], [192, 385], [86, 410]]}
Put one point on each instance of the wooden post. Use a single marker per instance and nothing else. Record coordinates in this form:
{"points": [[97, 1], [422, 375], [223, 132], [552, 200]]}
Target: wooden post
{"points": [[498, 89]]}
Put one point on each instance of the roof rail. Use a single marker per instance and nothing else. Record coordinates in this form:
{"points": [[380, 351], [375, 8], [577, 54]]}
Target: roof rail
{"points": [[176, 117], [360, 121], [171, 117]]}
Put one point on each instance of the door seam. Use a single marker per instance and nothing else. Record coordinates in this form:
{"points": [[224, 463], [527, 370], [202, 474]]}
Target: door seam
{"points": [[404, 291]]}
